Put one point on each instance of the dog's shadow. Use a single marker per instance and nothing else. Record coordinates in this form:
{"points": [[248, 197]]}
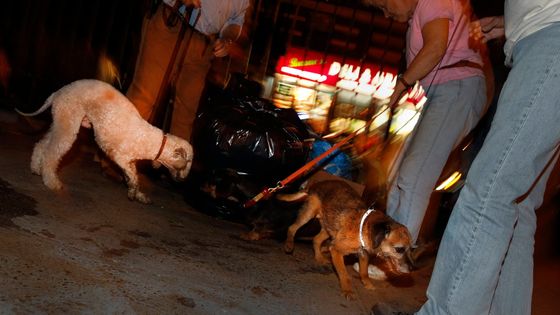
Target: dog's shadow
{"points": [[318, 269]]}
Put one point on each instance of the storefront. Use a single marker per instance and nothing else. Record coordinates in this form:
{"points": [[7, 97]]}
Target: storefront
{"points": [[336, 96], [331, 93]]}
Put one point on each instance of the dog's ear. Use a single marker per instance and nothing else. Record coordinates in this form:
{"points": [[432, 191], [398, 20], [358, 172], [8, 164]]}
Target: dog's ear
{"points": [[180, 153], [411, 258], [380, 231]]}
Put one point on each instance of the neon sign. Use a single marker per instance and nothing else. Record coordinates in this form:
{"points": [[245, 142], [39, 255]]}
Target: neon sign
{"points": [[295, 62], [330, 69]]}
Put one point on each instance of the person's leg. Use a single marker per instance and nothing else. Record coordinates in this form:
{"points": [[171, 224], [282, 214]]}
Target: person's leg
{"points": [[152, 61], [190, 85], [453, 110], [517, 267], [473, 257], [158, 41]]}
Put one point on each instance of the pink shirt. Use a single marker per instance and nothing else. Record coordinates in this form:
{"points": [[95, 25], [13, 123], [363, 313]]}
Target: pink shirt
{"points": [[458, 42]]}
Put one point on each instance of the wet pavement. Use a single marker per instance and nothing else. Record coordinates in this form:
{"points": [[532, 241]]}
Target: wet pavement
{"points": [[88, 249]]}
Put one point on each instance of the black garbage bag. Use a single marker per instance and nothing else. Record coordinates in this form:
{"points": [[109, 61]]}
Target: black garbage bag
{"points": [[242, 144], [252, 136]]}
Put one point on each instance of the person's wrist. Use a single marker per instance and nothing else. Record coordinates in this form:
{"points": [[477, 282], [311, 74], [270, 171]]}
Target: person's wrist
{"points": [[403, 81]]}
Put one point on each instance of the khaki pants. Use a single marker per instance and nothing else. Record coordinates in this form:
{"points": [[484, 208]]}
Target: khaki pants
{"points": [[158, 41]]}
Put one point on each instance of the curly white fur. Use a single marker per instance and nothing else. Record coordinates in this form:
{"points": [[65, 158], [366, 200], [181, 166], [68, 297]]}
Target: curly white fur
{"points": [[118, 128]]}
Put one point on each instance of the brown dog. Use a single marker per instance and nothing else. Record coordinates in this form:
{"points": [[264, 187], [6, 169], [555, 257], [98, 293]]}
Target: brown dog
{"points": [[352, 229]]}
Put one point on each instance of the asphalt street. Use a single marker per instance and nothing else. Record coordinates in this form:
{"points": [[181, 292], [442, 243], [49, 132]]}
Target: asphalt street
{"points": [[89, 250]]}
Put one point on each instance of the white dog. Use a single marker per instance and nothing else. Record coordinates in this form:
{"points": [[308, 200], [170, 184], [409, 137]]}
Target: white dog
{"points": [[119, 130]]}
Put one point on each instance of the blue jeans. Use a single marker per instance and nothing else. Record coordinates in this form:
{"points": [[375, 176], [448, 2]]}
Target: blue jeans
{"points": [[453, 109], [485, 261]]}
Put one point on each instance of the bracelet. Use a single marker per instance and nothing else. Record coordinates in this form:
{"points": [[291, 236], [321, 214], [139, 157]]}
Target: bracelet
{"points": [[401, 79]]}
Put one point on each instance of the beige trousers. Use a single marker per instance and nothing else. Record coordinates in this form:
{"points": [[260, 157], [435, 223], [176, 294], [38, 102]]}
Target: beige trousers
{"points": [[158, 41]]}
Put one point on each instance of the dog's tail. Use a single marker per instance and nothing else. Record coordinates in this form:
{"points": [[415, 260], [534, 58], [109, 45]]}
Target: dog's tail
{"points": [[292, 197], [43, 108]]}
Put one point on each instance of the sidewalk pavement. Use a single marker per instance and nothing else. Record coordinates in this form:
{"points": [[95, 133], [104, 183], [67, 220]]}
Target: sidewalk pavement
{"points": [[88, 249]]}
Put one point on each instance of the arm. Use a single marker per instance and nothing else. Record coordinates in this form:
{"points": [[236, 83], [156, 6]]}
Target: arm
{"points": [[231, 32], [487, 28], [223, 44], [435, 34]]}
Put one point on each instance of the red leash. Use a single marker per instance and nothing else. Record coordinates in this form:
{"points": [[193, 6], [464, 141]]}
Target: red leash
{"points": [[414, 97], [309, 165]]}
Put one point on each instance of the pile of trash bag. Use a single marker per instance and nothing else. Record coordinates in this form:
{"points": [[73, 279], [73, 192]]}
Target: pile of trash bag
{"points": [[252, 136], [242, 144]]}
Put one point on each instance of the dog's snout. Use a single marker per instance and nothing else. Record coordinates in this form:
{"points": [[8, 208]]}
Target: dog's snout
{"points": [[181, 174]]}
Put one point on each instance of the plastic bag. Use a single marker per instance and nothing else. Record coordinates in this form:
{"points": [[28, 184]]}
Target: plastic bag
{"points": [[250, 135]]}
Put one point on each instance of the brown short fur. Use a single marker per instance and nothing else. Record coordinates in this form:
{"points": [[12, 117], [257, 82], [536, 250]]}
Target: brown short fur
{"points": [[340, 210]]}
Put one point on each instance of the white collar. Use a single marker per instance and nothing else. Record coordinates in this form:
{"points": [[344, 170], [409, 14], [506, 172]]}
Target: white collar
{"points": [[364, 217]]}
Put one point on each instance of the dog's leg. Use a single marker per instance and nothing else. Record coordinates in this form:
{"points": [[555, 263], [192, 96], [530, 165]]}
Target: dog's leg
{"points": [[338, 262], [131, 175], [363, 263], [306, 213], [317, 242], [38, 153], [62, 135]]}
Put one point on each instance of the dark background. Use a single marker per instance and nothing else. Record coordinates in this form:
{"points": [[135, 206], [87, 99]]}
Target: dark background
{"points": [[50, 43], [47, 44]]}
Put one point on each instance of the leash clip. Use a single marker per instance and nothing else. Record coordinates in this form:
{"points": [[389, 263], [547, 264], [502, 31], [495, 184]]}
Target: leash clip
{"points": [[279, 186], [263, 195]]}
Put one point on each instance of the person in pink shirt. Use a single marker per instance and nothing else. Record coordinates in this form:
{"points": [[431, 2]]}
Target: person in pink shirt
{"points": [[438, 55]]}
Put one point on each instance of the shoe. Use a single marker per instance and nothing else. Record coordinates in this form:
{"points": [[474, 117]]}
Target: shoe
{"points": [[386, 309]]}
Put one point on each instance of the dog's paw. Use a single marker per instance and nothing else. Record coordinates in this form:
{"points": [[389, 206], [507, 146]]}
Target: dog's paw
{"points": [[36, 168], [139, 196], [250, 236], [288, 247], [348, 294], [368, 284], [143, 198], [53, 184]]}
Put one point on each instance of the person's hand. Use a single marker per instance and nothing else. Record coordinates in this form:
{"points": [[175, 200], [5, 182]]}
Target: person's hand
{"points": [[222, 47], [399, 90], [193, 3], [487, 28], [395, 98]]}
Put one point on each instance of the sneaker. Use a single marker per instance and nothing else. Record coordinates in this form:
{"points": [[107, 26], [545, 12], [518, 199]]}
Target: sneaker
{"points": [[386, 309]]}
